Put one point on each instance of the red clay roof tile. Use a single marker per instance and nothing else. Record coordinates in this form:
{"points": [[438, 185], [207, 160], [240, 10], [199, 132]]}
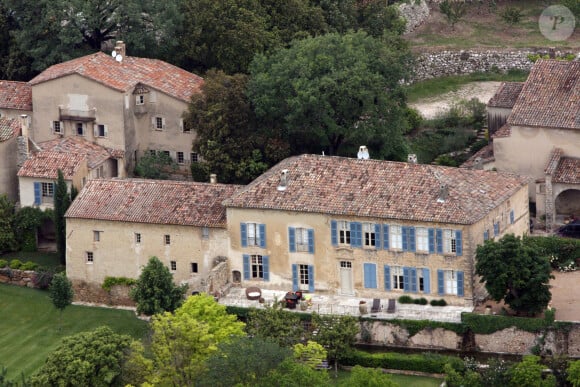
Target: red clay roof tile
{"points": [[46, 164], [506, 95], [8, 128], [15, 95]]}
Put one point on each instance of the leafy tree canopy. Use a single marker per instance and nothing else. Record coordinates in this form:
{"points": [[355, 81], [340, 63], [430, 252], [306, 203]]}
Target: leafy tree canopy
{"points": [[275, 323], [155, 291], [336, 334], [528, 372], [515, 273], [62, 202], [369, 377], [293, 374], [155, 166], [86, 359], [7, 216], [334, 92]]}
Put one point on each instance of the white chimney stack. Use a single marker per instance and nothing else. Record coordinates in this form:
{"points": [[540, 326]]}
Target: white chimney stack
{"points": [[283, 180], [412, 158], [363, 153], [213, 178]]}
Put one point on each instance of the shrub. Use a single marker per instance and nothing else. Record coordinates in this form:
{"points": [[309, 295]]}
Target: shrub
{"points": [[3, 263], [420, 301], [483, 324], [112, 281], [440, 302], [43, 279], [512, 15], [405, 300], [415, 326], [15, 264], [29, 266], [429, 362]]}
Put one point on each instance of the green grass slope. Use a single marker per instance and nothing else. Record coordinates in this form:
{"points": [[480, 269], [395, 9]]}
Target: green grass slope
{"points": [[29, 326]]}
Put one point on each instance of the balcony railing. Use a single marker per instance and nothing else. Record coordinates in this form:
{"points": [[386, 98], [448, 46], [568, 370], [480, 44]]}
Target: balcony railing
{"points": [[77, 115]]}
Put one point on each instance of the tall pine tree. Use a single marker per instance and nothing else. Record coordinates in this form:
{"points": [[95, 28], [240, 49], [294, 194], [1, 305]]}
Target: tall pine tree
{"points": [[61, 204]]}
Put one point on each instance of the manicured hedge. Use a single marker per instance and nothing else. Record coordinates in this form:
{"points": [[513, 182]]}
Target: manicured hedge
{"points": [[429, 362], [243, 312], [486, 324], [416, 326]]}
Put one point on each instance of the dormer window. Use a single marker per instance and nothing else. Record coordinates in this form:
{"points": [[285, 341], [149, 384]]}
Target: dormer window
{"points": [[139, 99]]}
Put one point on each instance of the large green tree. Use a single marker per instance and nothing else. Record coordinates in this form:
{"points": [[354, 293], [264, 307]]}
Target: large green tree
{"points": [[86, 359], [62, 202], [275, 323], [227, 139], [337, 334], [155, 291], [7, 224], [515, 273], [335, 92]]}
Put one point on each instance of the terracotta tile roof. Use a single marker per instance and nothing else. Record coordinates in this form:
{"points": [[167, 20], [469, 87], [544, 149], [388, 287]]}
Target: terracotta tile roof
{"points": [[95, 154], [552, 164], [504, 131], [568, 171], [550, 97], [46, 165], [378, 189], [124, 76], [8, 128], [485, 154], [153, 201], [506, 95], [15, 95]]}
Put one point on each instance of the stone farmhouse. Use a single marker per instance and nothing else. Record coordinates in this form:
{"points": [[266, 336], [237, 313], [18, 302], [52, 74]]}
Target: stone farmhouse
{"points": [[114, 226], [329, 225], [539, 136]]}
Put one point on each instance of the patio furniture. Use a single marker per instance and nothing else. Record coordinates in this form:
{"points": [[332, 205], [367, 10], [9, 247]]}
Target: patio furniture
{"points": [[376, 308], [391, 305], [253, 293]]}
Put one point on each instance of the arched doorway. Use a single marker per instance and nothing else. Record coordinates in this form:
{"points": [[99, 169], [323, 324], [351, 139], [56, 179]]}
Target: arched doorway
{"points": [[567, 205]]}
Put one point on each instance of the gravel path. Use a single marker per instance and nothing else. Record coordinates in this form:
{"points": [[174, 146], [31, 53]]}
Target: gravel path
{"points": [[430, 107]]}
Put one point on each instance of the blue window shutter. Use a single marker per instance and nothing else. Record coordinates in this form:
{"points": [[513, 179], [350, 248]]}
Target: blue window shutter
{"points": [[405, 241], [352, 234], [431, 233], [439, 241], [458, 243], [413, 279], [412, 239], [294, 277], [357, 234], [512, 217], [496, 229], [246, 266], [385, 236], [37, 193], [370, 274], [266, 267], [53, 189], [311, 241], [440, 282], [262, 228], [485, 235], [377, 236], [460, 283], [311, 278], [387, 277], [406, 284], [292, 239], [426, 281], [334, 232], [244, 235]]}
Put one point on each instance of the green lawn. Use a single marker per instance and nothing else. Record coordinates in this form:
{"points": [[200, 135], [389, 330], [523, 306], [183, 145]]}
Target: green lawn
{"points": [[43, 259], [401, 380], [29, 326]]}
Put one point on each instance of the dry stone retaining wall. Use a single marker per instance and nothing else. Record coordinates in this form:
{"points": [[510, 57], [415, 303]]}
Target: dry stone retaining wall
{"points": [[415, 13], [17, 277]]}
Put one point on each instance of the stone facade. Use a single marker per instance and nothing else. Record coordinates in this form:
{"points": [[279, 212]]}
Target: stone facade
{"points": [[434, 64], [414, 13]]}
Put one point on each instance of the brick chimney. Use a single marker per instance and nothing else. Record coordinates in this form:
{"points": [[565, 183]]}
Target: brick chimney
{"points": [[23, 151], [120, 50]]}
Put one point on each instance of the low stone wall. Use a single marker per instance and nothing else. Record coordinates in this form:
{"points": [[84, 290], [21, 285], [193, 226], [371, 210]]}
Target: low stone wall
{"points": [[414, 13], [434, 64], [17, 277], [95, 294]]}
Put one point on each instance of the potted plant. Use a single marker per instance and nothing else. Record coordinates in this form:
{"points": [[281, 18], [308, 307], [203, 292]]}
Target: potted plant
{"points": [[362, 307]]}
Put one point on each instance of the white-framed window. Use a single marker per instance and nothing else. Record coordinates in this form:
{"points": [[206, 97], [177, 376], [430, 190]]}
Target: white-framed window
{"points": [[139, 99], [193, 157], [89, 257], [47, 191], [301, 239], [205, 232], [180, 158], [101, 130], [167, 239], [303, 278], [257, 266], [398, 277], [185, 126], [194, 267], [137, 237], [173, 265], [343, 232], [159, 123], [369, 235], [96, 236], [396, 237], [57, 127], [253, 234], [80, 129], [449, 242], [450, 281], [422, 239]]}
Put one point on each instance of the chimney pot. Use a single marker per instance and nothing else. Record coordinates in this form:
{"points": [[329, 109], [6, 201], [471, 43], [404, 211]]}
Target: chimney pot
{"points": [[363, 153], [213, 178], [283, 180], [412, 158]]}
